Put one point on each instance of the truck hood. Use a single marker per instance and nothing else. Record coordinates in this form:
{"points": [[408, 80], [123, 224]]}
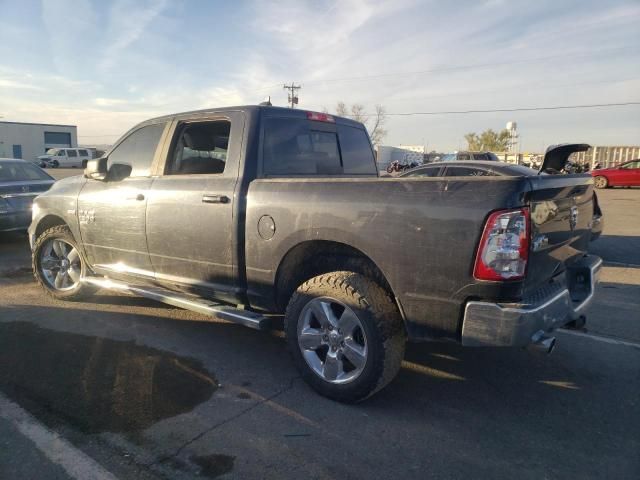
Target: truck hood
{"points": [[556, 156]]}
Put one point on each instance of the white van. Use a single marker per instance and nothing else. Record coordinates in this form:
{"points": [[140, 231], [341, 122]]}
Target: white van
{"points": [[66, 157]]}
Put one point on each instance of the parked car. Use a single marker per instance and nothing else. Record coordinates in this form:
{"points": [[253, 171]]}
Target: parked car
{"points": [[501, 169], [245, 212], [65, 158], [20, 182], [462, 156], [624, 175]]}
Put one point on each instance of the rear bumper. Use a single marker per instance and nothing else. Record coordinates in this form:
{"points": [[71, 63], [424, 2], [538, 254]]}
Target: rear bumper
{"points": [[517, 325]]}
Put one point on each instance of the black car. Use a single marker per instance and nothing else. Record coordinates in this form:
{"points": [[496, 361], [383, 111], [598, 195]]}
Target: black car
{"points": [[20, 183], [468, 168], [494, 169]]}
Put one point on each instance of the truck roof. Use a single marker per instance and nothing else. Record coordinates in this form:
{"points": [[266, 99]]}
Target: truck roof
{"points": [[269, 111]]}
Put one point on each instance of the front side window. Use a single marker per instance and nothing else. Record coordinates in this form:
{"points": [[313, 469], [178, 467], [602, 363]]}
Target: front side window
{"points": [[72, 153], [201, 149], [138, 150]]}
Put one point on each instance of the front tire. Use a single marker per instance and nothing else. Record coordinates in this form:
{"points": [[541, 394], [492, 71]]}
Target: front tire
{"points": [[58, 265], [345, 334], [601, 182]]}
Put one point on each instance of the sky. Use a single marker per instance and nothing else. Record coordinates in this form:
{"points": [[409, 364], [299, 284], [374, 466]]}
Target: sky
{"points": [[107, 65]]}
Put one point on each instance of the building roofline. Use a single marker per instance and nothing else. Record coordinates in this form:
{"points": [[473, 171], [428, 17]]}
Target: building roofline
{"points": [[40, 124]]}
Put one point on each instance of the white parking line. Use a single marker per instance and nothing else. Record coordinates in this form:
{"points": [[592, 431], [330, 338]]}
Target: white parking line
{"points": [[59, 451], [600, 338], [620, 264]]}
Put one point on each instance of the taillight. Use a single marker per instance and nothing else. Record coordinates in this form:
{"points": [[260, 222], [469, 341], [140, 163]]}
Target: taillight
{"points": [[504, 248], [320, 117]]}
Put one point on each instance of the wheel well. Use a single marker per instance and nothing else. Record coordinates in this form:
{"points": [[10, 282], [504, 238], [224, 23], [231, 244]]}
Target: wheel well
{"points": [[47, 222], [309, 259]]}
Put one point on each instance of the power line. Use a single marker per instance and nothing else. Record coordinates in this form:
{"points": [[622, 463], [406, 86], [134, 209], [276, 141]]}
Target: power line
{"points": [[464, 112], [518, 109]]}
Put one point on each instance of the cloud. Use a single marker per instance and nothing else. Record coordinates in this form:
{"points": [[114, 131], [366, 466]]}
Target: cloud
{"points": [[128, 19], [70, 26]]}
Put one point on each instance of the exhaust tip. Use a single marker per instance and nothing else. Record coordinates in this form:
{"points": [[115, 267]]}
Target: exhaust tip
{"points": [[543, 343], [548, 344]]}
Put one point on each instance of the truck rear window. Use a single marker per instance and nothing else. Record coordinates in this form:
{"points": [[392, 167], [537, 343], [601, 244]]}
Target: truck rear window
{"points": [[298, 147]]}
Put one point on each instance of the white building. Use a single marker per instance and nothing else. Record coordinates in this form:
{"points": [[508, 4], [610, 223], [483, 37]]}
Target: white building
{"points": [[405, 154], [28, 140]]}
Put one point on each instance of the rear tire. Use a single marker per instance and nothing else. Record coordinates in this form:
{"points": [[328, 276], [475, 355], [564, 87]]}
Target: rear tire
{"points": [[601, 182], [58, 266], [345, 334]]}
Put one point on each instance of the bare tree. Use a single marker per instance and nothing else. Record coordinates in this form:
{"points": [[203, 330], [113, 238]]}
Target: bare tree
{"points": [[377, 132], [373, 121]]}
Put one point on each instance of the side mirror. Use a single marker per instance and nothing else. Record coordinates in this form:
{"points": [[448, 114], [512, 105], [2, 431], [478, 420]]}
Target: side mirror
{"points": [[118, 172], [96, 169]]}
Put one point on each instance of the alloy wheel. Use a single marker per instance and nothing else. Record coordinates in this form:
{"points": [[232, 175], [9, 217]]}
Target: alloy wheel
{"points": [[332, 340], [60, 264]]}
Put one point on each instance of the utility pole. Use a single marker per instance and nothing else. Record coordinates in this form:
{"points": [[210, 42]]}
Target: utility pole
{"points": [[293, 97]]}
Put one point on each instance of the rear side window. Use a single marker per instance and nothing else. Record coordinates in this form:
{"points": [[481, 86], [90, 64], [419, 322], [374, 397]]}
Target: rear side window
{"points": [[357, 156], [201, 149], [302, 147], [424, 172], [72, 153], [464, 156], [481, 156], [83, 153], [467, 172]]}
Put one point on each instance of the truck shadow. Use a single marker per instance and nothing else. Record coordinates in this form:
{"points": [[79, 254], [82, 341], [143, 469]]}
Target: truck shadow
{"points": [[86, 365], [618, 248]]}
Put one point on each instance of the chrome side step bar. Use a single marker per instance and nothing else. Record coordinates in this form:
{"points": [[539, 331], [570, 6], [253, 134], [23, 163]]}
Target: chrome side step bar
{"points": [[218, 310]]}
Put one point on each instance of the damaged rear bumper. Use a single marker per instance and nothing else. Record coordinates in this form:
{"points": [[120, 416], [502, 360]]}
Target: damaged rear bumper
{"points": [[517, 325]]}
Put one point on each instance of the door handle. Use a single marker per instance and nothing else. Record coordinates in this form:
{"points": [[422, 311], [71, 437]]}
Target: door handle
{"points": [[139, 197], [215, 199]]}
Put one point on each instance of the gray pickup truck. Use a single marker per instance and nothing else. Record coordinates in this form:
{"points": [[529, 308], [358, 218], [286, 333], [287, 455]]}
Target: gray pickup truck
{"points": [[248, 213]]}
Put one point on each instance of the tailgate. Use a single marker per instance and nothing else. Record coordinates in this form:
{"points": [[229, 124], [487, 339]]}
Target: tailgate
{"points": [[561, 217]]}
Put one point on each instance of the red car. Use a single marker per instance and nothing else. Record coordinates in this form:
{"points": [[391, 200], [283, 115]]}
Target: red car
{"points": [[624, 175]]}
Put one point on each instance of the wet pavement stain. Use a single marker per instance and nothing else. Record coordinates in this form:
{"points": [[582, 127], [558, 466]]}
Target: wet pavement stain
{"points": [[97, 384], [213, 465]]}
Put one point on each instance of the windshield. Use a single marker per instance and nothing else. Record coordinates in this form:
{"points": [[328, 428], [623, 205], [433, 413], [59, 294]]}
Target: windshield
{"points": [[21, 172], [449, 157], [52, 151]]}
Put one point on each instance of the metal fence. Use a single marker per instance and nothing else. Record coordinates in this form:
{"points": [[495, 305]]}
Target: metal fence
{"points": [[607, 156]]}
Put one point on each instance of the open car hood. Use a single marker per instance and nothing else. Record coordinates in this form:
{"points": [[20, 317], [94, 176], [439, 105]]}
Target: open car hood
{"points": [[556, 156]]}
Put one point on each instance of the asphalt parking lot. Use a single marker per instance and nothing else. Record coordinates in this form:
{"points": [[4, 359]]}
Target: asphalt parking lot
{"points": [[126, 388]]}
